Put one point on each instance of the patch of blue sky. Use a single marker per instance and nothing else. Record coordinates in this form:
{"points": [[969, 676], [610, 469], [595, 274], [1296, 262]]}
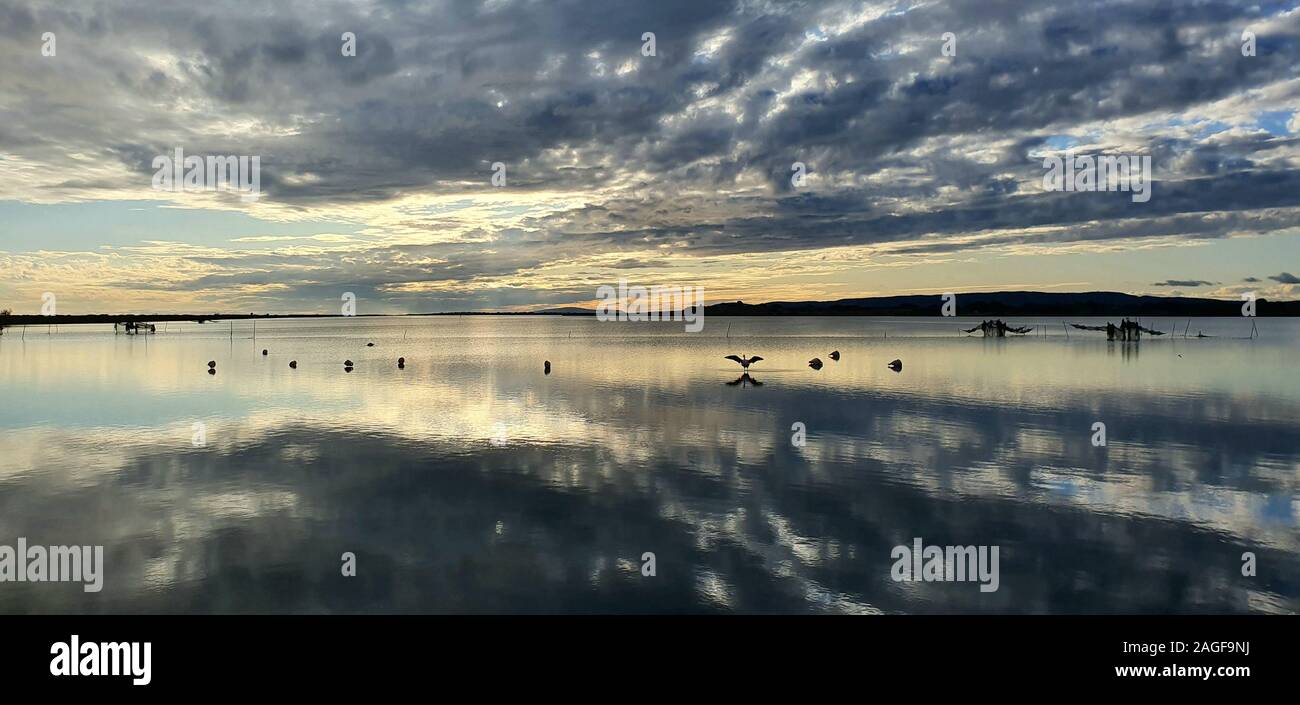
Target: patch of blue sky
{"points": [[88, 226], [434, 208], [516, 209], [1201, 128], [817, 34], [1275, 121], [1062, 141]]}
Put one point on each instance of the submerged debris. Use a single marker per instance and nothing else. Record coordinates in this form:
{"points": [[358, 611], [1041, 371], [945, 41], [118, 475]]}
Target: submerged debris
{"points": [[135, 328], [1126, 330], [997, 328]]}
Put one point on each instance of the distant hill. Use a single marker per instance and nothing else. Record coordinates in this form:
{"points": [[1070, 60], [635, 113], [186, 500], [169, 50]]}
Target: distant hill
{"points": [[1010, 303], [568, 311]]}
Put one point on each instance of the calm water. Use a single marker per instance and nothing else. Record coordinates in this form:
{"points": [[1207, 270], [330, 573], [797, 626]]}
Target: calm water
{"points": [[472, 482]]}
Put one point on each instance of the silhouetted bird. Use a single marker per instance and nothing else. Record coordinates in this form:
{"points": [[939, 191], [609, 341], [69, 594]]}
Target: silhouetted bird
{"points": [[815, 363], [546, 367], [293, 364], [264, 351], [401, 362], [212, 364], [896, 365], [835, 355], [745, 362], [370, 345]]}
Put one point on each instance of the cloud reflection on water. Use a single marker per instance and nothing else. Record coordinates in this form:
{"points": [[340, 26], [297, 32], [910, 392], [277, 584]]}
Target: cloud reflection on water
{"points": [[633, 444]]}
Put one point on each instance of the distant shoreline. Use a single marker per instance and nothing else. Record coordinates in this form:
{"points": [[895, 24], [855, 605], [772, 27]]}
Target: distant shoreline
{"points": [[65, 320], [106, 318], [977, 305]]}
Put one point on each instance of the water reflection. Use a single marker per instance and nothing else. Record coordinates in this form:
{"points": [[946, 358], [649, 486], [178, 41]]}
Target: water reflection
{"points": [[744, 381], [631, 445]]}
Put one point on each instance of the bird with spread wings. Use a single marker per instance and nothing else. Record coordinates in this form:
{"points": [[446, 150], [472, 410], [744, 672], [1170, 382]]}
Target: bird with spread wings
{"points": [[745, 362]]}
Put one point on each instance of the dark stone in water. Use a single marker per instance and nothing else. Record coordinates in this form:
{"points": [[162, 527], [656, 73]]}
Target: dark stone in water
{"points": [[264, 351], [212, 364], [293, 364]]}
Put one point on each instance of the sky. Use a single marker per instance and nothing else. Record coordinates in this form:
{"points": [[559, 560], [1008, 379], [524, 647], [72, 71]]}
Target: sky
{"points": [[762, 150]]}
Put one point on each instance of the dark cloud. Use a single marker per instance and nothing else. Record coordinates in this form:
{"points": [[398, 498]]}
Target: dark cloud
{"points": [[690, 149], [1183, 282], [1285, 278]]}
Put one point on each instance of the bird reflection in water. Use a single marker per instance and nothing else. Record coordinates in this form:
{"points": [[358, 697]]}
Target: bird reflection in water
{"points": [[744, 380]]}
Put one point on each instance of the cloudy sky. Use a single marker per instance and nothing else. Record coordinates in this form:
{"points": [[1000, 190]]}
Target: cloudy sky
{"points": [[924, 172]]}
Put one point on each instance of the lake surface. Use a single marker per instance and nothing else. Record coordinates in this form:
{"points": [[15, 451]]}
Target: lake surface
{"points": [[472, 482]]}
